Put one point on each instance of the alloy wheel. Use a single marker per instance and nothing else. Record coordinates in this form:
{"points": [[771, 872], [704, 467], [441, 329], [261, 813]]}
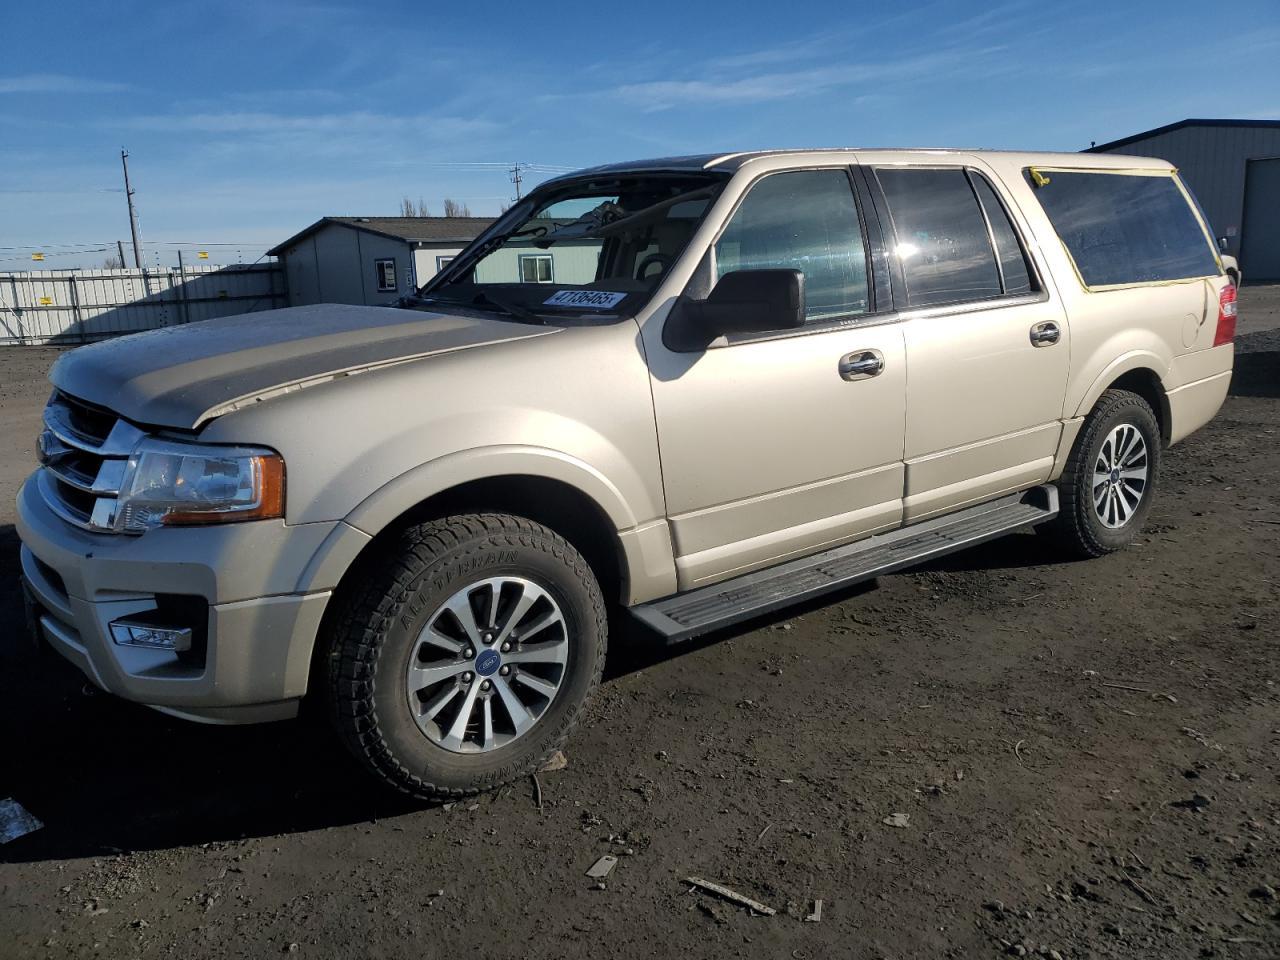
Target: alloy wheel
{"points": [[1120, 475], [487, 665]]}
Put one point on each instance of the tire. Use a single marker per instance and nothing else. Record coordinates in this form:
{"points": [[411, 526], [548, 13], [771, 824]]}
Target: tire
{"points": [[1084, 527], [504, 568]]}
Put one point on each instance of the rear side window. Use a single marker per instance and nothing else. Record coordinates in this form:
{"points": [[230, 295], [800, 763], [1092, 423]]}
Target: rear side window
{"points": [[942, 239], [1125, 228], [805, 220], [1014, 271]]}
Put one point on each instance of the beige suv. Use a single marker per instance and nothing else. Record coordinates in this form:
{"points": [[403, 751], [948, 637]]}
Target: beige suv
{"points": [[695, 389]]}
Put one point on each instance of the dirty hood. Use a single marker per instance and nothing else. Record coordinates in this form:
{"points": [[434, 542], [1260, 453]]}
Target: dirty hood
{"points": [[183, 376]]}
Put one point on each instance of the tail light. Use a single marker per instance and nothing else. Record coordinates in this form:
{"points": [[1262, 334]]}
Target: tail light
{"points": [[1226, 316]]}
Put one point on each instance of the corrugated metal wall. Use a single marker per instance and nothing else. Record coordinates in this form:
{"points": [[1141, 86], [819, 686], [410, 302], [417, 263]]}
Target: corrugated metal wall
{"points": [[1212, 162], [76, 306], [1261, 247]]}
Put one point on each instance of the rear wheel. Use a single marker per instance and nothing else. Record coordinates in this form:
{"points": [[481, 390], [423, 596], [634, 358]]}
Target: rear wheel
{"points": [[1108, 484], [465, 657]]}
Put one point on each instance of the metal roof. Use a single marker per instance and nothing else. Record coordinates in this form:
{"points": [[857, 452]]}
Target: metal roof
{"points": [[409, 229], [1181, 124]]}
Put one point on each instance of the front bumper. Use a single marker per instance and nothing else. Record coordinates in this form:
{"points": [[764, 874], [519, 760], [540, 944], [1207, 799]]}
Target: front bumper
{"points": [[260, 629]]}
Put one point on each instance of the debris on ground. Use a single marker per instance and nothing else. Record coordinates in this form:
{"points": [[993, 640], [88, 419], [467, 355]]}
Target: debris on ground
{"points": [[602, 867], [815, 915], [732, 896], [899, 820], [16, 821], [557, 761]]}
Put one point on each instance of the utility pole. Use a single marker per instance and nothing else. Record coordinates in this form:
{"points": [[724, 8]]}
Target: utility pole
{"points": [[120, 250], [133, 215], [516, 178]]}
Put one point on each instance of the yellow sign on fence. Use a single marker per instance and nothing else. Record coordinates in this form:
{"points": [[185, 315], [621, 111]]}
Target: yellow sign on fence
{"points": [[46, 301], [37, 256], [203, 255]]}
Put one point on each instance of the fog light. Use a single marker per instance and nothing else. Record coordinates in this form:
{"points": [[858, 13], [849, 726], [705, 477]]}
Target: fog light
{"points": [[134, 633]]}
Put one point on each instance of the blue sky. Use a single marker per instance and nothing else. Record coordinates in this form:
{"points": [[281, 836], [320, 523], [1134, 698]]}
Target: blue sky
{"points": [[248, 120]]}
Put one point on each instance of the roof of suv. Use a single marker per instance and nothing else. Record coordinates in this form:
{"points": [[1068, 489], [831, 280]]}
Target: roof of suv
{"points": [[729, 162]]}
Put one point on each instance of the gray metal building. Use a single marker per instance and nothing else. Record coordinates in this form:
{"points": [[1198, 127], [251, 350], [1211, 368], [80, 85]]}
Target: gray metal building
{"points": [[1233, 167], [371, 260], [376, 260]]}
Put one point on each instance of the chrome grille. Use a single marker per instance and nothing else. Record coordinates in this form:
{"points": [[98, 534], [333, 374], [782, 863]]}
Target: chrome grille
{"points": [[84, 451]]}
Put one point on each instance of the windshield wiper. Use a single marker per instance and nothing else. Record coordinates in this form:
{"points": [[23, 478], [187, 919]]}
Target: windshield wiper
{"points": [[506, 306]]}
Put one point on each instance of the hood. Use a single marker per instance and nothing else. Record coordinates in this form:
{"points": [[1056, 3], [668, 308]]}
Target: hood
{"points": [[182, 376]]}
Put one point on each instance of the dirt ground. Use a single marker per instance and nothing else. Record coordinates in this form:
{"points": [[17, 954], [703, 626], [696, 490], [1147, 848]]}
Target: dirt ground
{"points": [[999, 753]]}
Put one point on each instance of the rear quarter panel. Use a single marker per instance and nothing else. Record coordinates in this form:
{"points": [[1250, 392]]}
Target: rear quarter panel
{"points": [[1167, 328]]}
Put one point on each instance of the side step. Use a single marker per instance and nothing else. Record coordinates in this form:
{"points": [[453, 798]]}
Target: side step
{"points": [[686, 615]]}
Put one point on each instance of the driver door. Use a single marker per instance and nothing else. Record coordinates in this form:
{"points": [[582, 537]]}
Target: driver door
{"points": [[768, 450]]}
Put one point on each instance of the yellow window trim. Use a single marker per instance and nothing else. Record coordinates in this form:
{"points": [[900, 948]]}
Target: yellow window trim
{"points": [[1040, 180]]}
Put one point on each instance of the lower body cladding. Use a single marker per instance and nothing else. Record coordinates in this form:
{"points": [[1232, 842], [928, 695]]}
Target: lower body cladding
{"points": [[208, 652]]}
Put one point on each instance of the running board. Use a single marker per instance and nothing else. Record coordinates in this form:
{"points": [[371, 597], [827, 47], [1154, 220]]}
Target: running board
{"points": [[686, 615]]}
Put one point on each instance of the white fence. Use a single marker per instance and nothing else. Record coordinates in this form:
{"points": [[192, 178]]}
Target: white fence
{"points": [[76, 306]]}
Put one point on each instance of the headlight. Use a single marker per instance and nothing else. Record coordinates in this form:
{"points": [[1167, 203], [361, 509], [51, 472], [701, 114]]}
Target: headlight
{"points": [[168, 483]]}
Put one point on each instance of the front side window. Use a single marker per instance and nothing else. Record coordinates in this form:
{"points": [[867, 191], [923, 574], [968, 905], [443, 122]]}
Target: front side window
{"points": [[803, 220], [1125, 228], [942, 239], [386, 274], [536, 268]]}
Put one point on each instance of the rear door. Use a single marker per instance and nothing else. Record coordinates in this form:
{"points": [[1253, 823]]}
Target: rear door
{"points": [[987, 348], [770, 450]]}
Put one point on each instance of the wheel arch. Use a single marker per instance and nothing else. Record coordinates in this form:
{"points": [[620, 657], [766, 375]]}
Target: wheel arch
{"points": [[1137, 373], [553, 502], [563, 493]]}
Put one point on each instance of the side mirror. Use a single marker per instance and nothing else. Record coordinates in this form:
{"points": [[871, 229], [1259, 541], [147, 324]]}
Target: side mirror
{"points": [[745, 301], [1222, 244]]}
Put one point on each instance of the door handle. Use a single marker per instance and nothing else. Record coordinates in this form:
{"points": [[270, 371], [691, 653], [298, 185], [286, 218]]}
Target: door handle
{"points": [[1045, 334], [861, 365]]}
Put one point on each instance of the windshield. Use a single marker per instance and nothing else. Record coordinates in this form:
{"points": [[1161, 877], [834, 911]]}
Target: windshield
{"points": [[596, 247]]}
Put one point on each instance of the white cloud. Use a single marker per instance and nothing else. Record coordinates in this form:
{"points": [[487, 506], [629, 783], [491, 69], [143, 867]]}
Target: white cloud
{"points": [[723, 86], [273, 124], [57, 83]]}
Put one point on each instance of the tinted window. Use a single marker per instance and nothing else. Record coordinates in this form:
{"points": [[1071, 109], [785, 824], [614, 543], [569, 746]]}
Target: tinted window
{"points": [[804, 221], [1013, 260], [942, 239], [1122, 228]]}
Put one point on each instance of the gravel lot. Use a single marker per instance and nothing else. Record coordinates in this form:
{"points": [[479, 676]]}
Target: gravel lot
{"points": [[999, 753]]}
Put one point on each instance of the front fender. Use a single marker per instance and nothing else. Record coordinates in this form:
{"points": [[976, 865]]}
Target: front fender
{"points": [[483, 463], [372, 515]]}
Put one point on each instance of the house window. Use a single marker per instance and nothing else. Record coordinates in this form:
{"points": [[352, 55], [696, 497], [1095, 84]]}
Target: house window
{"points": [[536, 268], [386, 273], [442, 262]]}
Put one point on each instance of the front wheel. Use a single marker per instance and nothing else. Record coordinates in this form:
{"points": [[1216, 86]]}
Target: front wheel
{"points": [[465, 657], [1110, 479]]}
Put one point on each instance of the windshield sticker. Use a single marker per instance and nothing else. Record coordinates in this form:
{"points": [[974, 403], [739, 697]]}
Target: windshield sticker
{"points": [[594, 299]]}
